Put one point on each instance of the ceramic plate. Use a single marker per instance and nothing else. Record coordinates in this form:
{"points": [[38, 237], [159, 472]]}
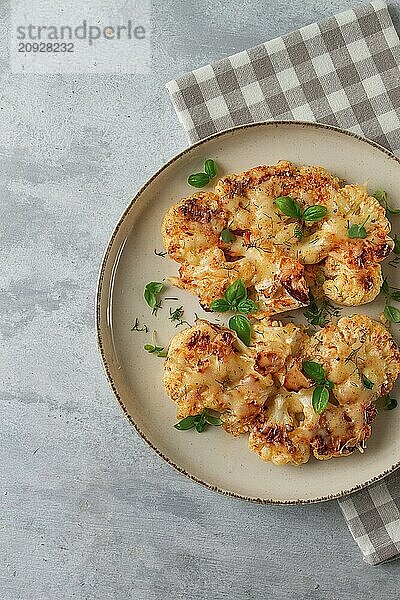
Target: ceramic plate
{"points": [[214, 458]]}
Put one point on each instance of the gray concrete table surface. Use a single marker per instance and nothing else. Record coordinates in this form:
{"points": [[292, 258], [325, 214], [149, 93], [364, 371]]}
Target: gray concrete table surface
{"points": [[87, 510]]}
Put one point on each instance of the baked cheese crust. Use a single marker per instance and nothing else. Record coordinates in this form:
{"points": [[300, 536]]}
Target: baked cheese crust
{"points": [[266, 254], [261, 391]]}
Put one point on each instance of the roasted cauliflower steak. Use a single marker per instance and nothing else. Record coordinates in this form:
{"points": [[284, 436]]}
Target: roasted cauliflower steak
{"points": [[261, 390], [267, 254]]}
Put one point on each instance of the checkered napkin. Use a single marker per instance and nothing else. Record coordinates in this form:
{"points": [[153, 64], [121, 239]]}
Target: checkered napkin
{"points": [[344, 71]]}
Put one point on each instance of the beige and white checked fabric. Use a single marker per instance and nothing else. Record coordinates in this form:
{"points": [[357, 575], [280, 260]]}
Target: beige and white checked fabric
{"points": [[344, 71]]}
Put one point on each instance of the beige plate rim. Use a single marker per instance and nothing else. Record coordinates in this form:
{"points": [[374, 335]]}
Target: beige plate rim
{"points": [[102, 303]]}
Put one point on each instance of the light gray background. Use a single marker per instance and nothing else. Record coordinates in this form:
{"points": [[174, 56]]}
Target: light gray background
{"points": [[87, 511]]}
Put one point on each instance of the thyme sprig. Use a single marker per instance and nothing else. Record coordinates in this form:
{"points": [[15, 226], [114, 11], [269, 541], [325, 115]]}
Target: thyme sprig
{"points": [[136, 326], [176, 316]]}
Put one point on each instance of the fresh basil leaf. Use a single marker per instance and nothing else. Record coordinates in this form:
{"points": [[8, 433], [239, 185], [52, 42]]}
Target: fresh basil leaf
{"points": [[186, 423], [220, 305], [150, 292], [198, 180], [392, 314], [328, 384], [200, 427], [241, 325], [247, 306], [357, 231], [367, 383], [320, 399], [210, 168], [201, 423], [162, 353], [150, 298], [314, 371], [362, 233], [228, 236], [155, 286], [150, 348], [353, 231], [236, 291], [381, 196], [211, 420], [395, 295], [289, 206], [385, 287], [390, 403], [298, 232], [315, 213]]}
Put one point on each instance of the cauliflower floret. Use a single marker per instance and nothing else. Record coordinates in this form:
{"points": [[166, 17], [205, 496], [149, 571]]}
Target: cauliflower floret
{"points": [[212, 275], [193, 226], [270, 249], [341, 429], [351, 287], [209, 367], [356, 350], [262, 390], [282, 433]]}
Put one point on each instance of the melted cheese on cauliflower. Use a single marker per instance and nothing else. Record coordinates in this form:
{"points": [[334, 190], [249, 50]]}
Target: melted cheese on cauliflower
{"points": [[266, 254], [209, 367], [261, 390]]}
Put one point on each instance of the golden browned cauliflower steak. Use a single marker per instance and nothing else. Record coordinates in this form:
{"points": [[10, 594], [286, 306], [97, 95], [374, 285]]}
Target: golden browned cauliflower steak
{"points": [[266, 253], [261, 391]]}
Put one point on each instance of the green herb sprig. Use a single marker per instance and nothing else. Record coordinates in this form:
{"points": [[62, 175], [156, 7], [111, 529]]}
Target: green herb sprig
{"points": [[320, 314], [151, 291], [394, 262], [235, 299], [198, 422], [200, 180], [298, 232], [388, 403], [154, 349], [391, 313], [291, 208], [137, 327], [316, 372], [157, 350], [357, 231], [367, 383], [227, 236], [381, 196], [176, 316]]}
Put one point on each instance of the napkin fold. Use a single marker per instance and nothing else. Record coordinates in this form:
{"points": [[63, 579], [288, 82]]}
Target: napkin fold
{"points": [[343, 71]]}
